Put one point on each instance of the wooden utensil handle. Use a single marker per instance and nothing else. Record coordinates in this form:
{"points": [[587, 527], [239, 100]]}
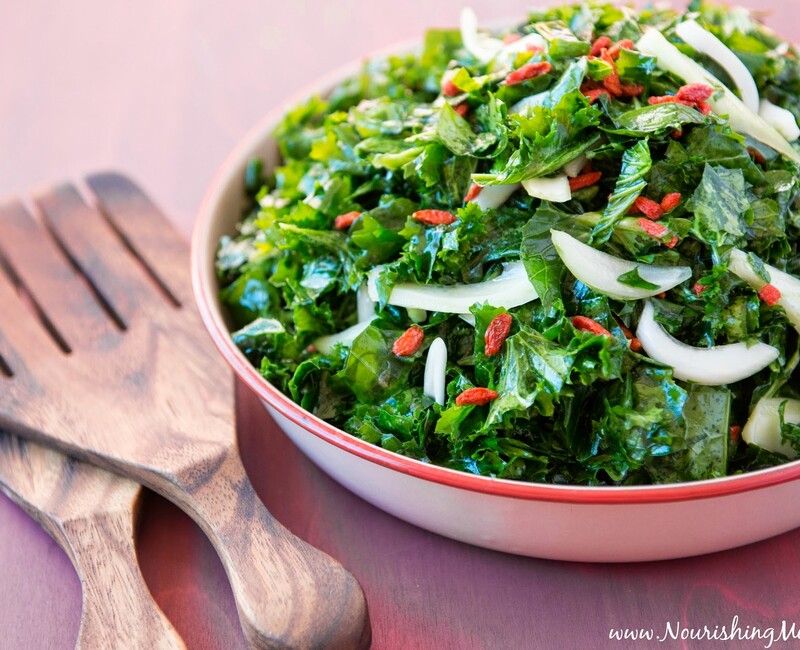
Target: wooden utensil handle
{"points": [[289, 594], [118, 609]]}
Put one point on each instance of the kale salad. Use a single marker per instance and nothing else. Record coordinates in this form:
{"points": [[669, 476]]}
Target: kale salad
{"points": [[563, 252]]}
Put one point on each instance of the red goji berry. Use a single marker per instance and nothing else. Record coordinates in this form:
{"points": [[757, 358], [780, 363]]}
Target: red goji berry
{"points": [[670, 201], [672, 243], [770, 294], [472, 192], [601, 43], [636, 344], [593, 94], [632, 90], [698, 288], [449, 89], [344, 221], [586, 324], [528, 71], [614, 50], [756, 155], [496, 334], [409, 341], [704, 107], [653, 228], [734, 431], [584, 180], [648, 208], [476, 397], [434, 217], [694, 93], [677, 134], [662, 295], [462, 109]]}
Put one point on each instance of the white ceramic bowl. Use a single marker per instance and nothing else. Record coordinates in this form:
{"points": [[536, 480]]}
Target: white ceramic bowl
{"points": [[598, 524]]}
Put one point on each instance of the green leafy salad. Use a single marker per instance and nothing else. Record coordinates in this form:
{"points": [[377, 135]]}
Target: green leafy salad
{"points": [[566, 252]]}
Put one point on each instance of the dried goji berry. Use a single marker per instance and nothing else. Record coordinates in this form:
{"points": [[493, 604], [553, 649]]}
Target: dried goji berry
{"points": [[672, 243], [666, 99], [344, 221], [653, 228], [615, 49], [472, 192], [698, 288], [409, 341], [648, 208], [704, 107], [632, 90], [593, 94], [677, 134], [528, 71], [670, 201], [600, 43], [449, 89], [756, 155], [434, 217], [636, 344], [584, 180], [496, 334], [462, 109], [694, 93], [735, 431], [476, 397], [770, 294], [586, 324]]}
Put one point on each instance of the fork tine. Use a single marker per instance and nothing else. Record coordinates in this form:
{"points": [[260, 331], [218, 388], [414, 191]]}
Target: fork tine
{"points": [[132, 212], [22, 336], [99, 253], [44, 270]]}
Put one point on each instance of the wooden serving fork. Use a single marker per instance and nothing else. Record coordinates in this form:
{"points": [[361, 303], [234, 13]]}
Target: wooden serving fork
{"points": [[90, 513], [105, 357]]}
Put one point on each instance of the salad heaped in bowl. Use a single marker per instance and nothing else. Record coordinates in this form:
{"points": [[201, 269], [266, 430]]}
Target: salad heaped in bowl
{"points": [[566, 252]]}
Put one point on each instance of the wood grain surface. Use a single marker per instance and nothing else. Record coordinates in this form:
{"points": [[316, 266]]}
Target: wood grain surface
{"points": [[164, 90], [109, 361], [90, 514]]}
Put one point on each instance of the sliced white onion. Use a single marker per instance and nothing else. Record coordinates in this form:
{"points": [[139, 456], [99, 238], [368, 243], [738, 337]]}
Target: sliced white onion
{"points": [[778, 117], [706, 43], [788, 285], [601, 271], [493, 196], [555, 188], [715, 366], [468, 318], [741, 118], [482, 46], [364, 305], [435, 368], [575, 166], [509, 289], [763, 427], [325, 344]]}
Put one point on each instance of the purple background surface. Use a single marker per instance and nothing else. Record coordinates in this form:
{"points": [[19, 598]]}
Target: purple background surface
{"points": [[163, 91]]}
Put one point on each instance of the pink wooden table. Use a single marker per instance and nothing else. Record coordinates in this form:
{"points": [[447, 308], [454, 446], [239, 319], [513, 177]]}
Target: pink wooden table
{"points": [[163, 91]]}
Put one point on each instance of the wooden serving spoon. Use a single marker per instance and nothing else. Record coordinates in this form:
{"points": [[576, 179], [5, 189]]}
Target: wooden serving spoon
{"points": [[105, 357], [90, 513]]}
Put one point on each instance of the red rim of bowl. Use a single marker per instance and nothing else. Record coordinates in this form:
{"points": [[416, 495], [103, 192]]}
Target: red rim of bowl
{"points": [[205, 296]]}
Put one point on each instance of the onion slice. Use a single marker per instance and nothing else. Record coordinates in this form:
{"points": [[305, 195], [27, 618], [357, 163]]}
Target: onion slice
{"points": [[741, 119], [706, 43], [364, 305], [555, 188], [435, 369], [482, 46], [715, 366], [783, 120], [601, 271], [575, 166], [510, 289], [325, 344], [493, 196], [788, 285], [763, 427]]}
